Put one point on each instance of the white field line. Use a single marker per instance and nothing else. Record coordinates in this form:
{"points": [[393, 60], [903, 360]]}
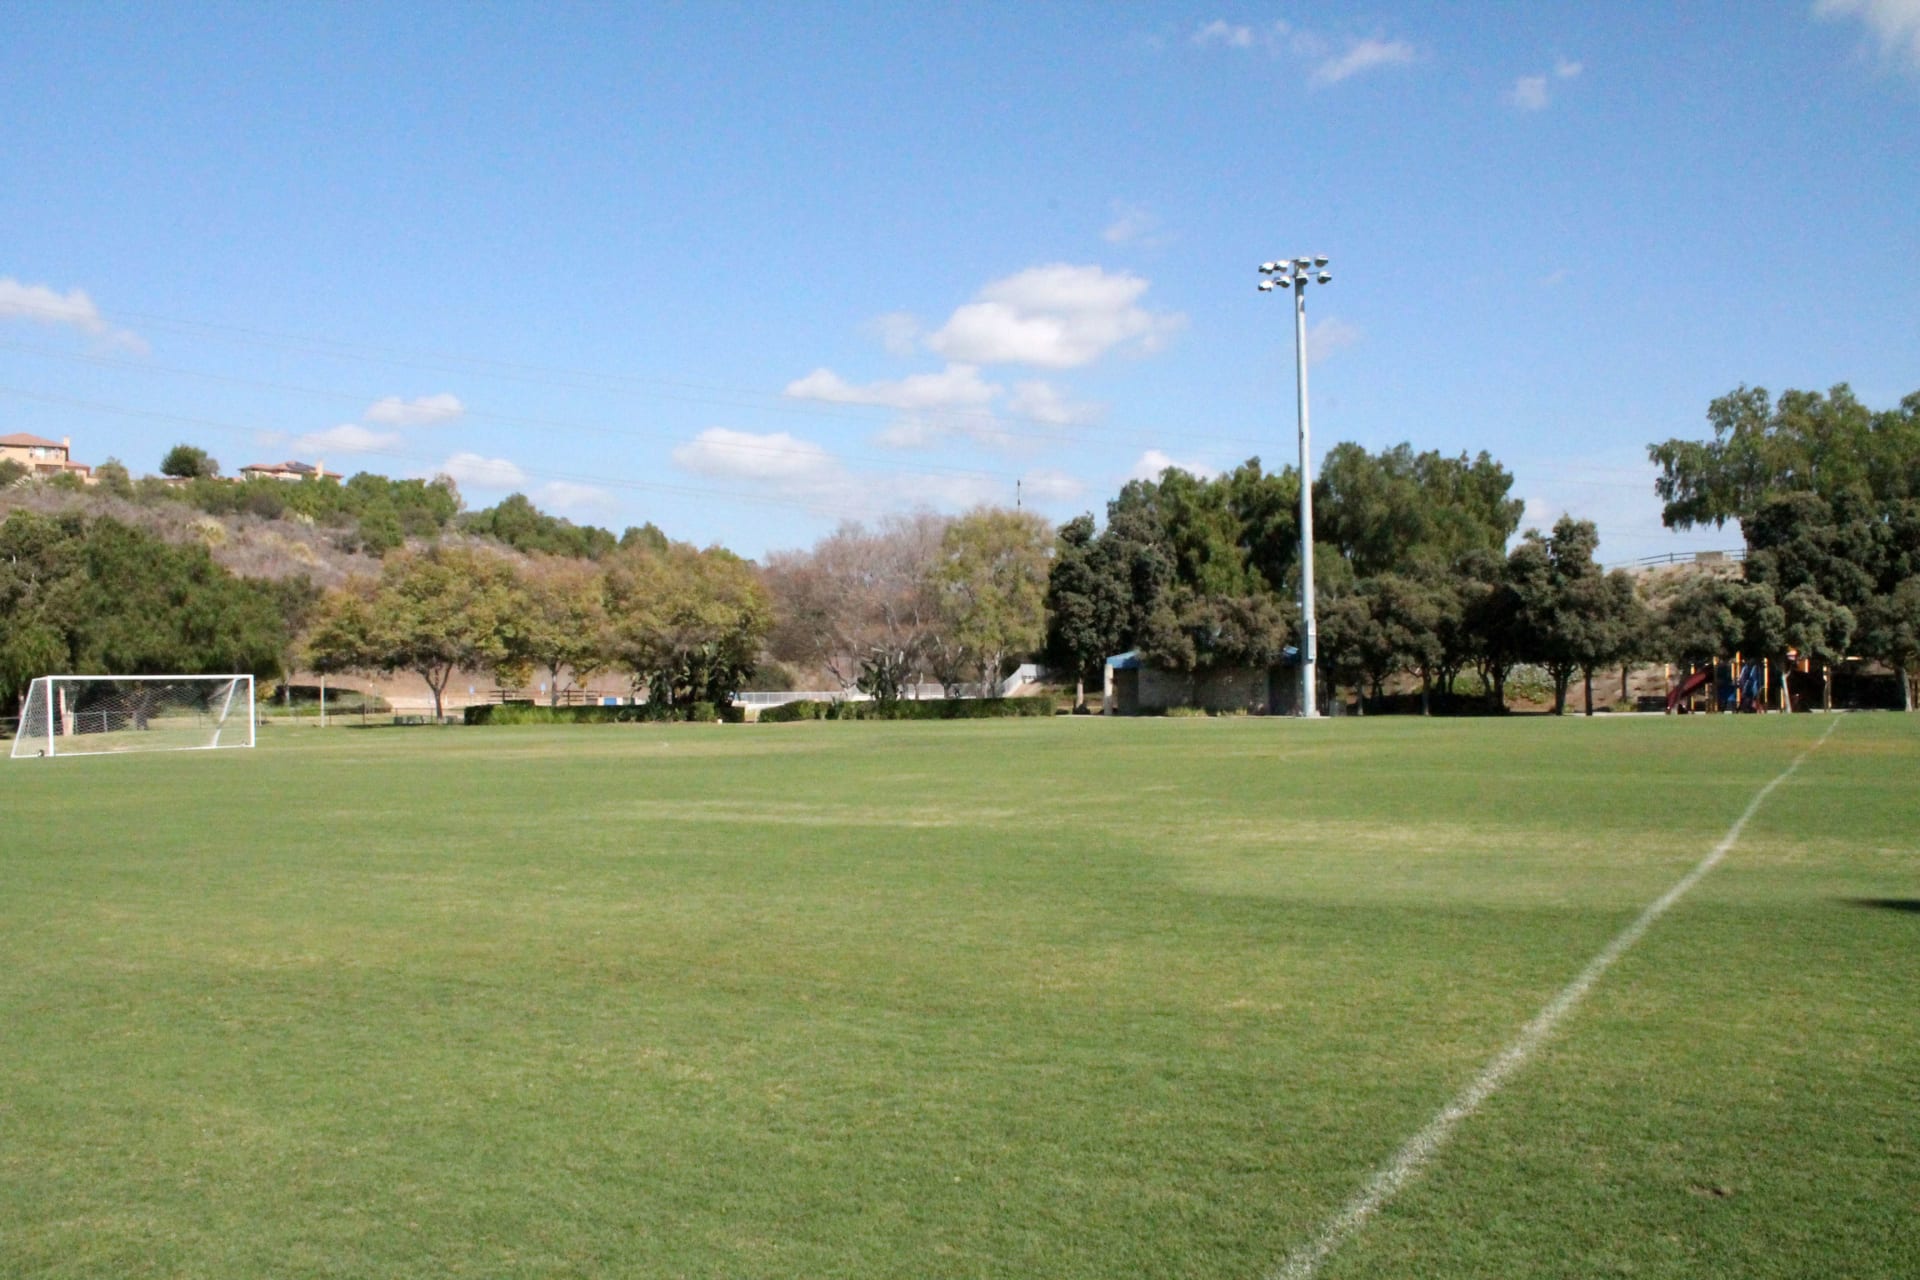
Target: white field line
{"points": [[1407, 1163]]}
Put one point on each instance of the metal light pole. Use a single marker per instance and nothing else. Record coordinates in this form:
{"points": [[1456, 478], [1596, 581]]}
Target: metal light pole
{"points": [[1293, 274]]}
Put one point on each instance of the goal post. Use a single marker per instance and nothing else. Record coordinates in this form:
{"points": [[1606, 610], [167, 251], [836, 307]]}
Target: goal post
{"points": [[99, 715]]}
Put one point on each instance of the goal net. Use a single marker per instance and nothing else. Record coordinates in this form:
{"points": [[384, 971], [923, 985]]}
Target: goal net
{"points": [[93, 715]]}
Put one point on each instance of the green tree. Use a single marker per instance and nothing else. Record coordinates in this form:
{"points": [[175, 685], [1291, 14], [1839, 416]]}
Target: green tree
{"points": [[992, 580], [1803, 442], [1491, 621], [1610, 624], [102, 597], [1085, 606], [114, 478], [687, 623], [565, 624], [1890, 632], [1386, 623], [186, 462], [431, 612], [379, 529], [524, 527], [1571, 617], [1401, 512], [1819, 629]]}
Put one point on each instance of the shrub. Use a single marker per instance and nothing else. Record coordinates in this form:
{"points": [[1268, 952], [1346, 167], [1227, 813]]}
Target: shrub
{"points": [[643, 713], [910, 709]]}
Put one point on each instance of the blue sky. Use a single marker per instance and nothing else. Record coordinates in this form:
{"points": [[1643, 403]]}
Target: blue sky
{"points": [[749, 270]]}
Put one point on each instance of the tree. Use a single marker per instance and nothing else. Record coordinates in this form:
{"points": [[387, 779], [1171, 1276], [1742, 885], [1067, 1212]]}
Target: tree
{"points": [[992, 579], [1890, 632], [861, 601], [1712, 618], [1085, 606], [1386, 623], [430, 612], [1398, 512], [1611, 625], [114, 478], [185, 462], [103, 597], [687, 623], [1803, 442], [1549, 577], [11, 473], [565, 624], [524, 527], [1491, 619], [1819, 629]]}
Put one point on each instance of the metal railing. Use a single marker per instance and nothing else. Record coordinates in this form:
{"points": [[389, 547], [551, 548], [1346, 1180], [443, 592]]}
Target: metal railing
{"points": [[1682, 557]]}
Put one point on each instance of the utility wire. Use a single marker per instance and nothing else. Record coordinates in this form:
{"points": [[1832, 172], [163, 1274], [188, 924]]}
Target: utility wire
{"points": [[818, 507]]}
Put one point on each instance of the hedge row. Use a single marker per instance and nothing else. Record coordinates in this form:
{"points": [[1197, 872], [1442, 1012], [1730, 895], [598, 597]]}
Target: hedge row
{"points": [[645, 712], [910, 709]]}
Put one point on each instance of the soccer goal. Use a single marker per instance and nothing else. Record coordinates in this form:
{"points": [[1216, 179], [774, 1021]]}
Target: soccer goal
{"points": [[94, 715]]}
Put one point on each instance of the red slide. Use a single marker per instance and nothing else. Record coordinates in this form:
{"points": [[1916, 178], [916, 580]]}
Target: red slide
{"points": [[1686, 687]]}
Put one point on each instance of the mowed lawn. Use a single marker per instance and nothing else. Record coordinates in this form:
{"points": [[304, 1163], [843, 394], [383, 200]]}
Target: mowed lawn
{"points": [[1062, 998]]}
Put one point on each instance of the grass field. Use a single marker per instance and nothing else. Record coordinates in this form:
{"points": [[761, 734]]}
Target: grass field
{"points": [[1060, 998]]}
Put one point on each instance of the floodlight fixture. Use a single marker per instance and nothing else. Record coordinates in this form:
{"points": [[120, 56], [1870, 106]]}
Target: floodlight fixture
{"points": [[1325, 277], [1269, 267], [1319, 259]]}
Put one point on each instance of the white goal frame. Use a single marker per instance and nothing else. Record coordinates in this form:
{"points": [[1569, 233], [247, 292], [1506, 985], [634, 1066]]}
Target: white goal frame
{"points": [[232, 723]]}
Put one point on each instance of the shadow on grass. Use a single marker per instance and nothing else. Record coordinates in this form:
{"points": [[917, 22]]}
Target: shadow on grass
{"points": [[1909, 905]]}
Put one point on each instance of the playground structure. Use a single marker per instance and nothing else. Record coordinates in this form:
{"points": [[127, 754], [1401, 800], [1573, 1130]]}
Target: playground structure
{"points": [[1735, 685]]}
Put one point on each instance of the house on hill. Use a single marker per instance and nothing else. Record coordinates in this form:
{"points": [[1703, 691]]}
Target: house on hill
{"points": [[288, 471], [43, 457]]}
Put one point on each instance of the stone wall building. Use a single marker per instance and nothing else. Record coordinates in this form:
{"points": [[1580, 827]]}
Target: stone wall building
{"points": [[1136, 687]]}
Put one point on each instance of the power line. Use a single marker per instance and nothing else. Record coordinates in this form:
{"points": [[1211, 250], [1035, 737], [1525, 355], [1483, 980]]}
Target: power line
{"points": [[1011, 424], [812, 506], [544, 424]]}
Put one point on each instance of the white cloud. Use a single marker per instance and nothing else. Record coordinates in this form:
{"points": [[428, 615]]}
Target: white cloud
{"points": [[1558, 276], [1328, 336], [1895, 25], [1153, 462], [1529, 93], [483, 473], [743, 455], [1051, 486], [912, 432], [1043, 402], [898, 331], [1362, 56], [1220, 32], [348, 437], [1132, 225], [393, 411], [72, 310], [1055, 317], [566, 496], [956, 386], [796, 468]]}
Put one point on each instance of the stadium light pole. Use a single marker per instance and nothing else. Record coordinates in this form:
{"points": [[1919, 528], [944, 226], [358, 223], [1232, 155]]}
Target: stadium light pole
{"points": [[1293, 274]]}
